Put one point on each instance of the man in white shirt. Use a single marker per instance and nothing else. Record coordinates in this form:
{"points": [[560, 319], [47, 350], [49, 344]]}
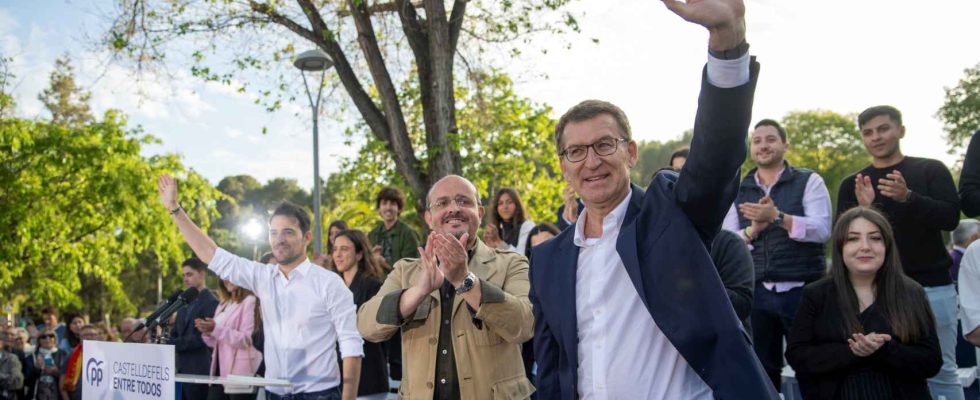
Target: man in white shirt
{"points": [[307, 311], [627, 302], [782, 213]]}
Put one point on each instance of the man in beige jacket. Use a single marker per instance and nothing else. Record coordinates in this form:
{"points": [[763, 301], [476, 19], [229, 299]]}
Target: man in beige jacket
{"points": [[463, 309]]}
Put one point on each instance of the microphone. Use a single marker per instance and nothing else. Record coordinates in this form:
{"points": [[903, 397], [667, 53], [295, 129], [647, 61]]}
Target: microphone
{"points": [[156, 313], [185, 298]]}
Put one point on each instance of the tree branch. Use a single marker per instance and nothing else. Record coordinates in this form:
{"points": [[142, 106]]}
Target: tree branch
{"points": [[456, 22], [443, 160], [399, 142], [322, 37]]}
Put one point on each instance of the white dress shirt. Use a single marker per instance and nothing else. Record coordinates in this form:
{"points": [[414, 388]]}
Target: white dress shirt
{"points": [[969, 285], [813, 226], [303, 317], [622, 352]]}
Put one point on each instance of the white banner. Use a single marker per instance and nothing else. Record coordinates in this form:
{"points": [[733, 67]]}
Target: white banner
{"points": [[127, 371]]}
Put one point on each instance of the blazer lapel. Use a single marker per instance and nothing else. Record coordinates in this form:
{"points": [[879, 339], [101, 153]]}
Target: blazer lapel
{"points": [[626, 244], [564, 275]]}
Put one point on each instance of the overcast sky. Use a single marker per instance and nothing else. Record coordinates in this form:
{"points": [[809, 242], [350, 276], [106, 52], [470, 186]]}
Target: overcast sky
{"points": [[836, 55]]}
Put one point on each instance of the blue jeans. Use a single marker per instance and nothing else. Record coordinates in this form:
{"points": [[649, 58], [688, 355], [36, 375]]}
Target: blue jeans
{"points": [[329, 394], [942, 299]]}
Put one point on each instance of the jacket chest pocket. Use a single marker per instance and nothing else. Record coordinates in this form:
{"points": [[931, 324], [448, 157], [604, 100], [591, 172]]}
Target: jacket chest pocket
{"points": [[513, 388], [483, 337]]}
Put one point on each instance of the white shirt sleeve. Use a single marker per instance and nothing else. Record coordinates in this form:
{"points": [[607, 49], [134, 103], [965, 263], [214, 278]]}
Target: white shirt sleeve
{"points": [[814, 225], [238, 270], [969, 283], [731, 220], [340, 302], [729, 73]]}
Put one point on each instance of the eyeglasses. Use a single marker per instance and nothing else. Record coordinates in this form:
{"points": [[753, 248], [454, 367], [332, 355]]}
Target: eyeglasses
{"points": [[46, 337], [602, 147], [443, 202]]}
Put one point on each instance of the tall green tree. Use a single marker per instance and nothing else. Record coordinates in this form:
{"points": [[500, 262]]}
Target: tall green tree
{"points": [[80, 214], [506, 140], [826, 142], [65, 100], [960, 112], [376, 47], [7, 103]]}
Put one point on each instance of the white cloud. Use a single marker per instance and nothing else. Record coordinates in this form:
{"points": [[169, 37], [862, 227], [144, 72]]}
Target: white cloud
{"points": [[233, 133]]}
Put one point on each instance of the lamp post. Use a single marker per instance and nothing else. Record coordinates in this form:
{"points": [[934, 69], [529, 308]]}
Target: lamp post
{"points": [[253, 229], [315, 60]]}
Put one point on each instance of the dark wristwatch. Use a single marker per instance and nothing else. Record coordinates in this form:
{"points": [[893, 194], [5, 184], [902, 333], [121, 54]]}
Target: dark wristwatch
{"points": [[468, 283], [176, 210], [779, 219], [731, 54]]}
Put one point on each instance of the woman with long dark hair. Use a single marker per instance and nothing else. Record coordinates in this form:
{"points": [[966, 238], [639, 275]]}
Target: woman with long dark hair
{"points": [[508, 226], [229, 333], [865, 331], [357, 265]]}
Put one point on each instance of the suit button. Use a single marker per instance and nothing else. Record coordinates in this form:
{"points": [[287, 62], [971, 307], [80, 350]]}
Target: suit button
{"points": [[432, 341], [428, 385]]}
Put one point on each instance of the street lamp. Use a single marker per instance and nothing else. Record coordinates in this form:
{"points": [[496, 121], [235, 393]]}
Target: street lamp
{"points": [[253, 229], [315, 60]]}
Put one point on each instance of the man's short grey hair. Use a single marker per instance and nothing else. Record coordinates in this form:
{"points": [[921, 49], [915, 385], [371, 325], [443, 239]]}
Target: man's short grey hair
{"points": [[964, 231]]}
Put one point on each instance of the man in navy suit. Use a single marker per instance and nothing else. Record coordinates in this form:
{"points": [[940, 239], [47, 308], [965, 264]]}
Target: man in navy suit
{"points": [[193, 355], [627, 302]]}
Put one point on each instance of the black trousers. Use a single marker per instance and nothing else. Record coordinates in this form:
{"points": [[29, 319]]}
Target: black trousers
{"points": [[193, 391], [772, 316], [217, 392]]}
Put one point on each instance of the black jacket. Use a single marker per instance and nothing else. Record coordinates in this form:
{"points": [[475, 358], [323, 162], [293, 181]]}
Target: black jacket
{"points": [[193, 356], [374, 365], [817, 349]]}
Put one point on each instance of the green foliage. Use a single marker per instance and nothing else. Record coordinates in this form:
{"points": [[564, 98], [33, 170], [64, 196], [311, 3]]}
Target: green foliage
{"points": [[960, 112], [67, 102], [654, 155], [83, 227], [7, 103], [826, 142], [503, 139]]}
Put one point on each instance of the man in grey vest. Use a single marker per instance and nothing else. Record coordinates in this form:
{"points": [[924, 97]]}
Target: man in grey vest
{"points": [[782, 213]]}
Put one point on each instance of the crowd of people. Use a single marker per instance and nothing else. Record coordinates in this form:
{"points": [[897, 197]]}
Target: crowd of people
{"points": [[686, 286]]}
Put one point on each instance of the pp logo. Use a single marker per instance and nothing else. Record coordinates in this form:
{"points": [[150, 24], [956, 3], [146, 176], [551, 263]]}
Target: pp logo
{"points": [[93, 372]]}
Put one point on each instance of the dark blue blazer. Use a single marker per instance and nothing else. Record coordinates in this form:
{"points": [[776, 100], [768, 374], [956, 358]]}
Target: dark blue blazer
{"points": [[664, 244], [193, 355]]}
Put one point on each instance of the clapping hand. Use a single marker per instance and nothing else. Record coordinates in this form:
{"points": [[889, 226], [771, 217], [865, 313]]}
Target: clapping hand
{"points": [[431, 277], [763, 211], [865, 345], [893, 186], [205, 325], [451, 253], [863, 190]]}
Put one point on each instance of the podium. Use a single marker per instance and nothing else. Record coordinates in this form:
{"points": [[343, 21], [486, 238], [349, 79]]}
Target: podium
{"points": [[142, 371], [255, 381]]}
